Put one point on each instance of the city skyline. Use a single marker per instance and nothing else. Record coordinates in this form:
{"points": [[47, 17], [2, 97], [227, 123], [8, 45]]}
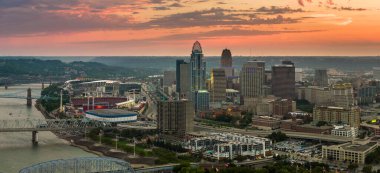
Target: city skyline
{"points": [[167, 27]]}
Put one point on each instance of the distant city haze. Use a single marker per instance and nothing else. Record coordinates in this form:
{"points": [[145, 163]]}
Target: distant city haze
{"points": [[167, 28]]}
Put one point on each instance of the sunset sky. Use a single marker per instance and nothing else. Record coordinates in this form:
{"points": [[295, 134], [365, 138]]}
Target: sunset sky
{"points": [[169, 27]]}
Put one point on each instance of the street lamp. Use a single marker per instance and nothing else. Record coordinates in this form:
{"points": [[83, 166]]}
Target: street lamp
{"points": [[117, 139], [100, 136]]}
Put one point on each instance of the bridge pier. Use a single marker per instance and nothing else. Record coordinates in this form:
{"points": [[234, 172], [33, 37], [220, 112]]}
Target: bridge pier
{"points": [[29, 98], [35, 137]]}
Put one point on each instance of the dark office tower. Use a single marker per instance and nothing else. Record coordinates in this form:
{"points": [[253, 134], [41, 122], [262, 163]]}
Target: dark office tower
{"points": [[226, 60], [218, 85], [198, 68], [183, 79], [321, 78], [283, 80], [175, 117]]}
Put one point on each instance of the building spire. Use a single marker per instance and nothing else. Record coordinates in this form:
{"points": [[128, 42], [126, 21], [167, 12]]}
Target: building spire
{"points": [[197, 47]]}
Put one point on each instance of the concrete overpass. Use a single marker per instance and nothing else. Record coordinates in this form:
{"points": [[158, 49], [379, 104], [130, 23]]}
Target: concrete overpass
{"points": [[263, 133]]}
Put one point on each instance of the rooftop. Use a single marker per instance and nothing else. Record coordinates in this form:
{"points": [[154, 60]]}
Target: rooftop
{"points": [[111, 112], [232, 91], [358, 147], [197, 47]]}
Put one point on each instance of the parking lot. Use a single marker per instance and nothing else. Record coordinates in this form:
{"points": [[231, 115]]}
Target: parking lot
{"points": [[298, 150]]}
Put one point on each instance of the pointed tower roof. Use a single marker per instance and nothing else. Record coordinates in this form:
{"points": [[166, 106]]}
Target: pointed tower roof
{"points": [[197, 47]]}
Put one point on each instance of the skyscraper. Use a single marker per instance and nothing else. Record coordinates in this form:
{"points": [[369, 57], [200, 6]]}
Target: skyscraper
{"points": [[218, 85], [321, 78], [283, 80], [175, 117], [198, 68], [226, 59], [183, 79], [252, 79]]}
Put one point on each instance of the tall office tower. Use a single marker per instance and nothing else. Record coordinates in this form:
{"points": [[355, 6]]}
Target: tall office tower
{"points": [[169, 78], [183, 79], [343, 95], [218, 85], [252, 79], [321, 78], [283, 80], [175, 117], [201, 100], [226, 59], [198, 68], [226, 64]]}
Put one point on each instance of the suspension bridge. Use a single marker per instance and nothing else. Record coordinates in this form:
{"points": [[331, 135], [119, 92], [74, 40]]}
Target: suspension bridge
{"points": [[19, 94]]}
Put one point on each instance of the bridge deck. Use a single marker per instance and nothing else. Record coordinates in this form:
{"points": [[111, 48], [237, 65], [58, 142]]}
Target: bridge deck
{"points": [[24, 125]]}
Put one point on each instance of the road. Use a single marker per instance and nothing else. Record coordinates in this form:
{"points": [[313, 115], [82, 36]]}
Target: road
{"points": [[264, 133], [151, 111]]}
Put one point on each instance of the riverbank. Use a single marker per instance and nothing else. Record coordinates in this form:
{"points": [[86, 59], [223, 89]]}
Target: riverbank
{"points": [[95, 148], [43, 111], [104, 150]]}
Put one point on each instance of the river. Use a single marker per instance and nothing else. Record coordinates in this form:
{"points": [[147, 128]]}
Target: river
{"points": [[16, 149]]}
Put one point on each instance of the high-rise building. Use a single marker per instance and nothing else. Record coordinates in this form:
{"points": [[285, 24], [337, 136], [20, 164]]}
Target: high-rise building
{"points": [[198, 68], [343, 95], [226, 59], [201, 100], [320, 78], [175, 117], [252, 79], [169, 78], [337, 115], [183, 79], [283, 80], [218, 85]]}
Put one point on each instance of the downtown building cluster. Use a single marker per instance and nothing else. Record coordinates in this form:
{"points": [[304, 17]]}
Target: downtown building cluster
{"points": [[270, 95]]}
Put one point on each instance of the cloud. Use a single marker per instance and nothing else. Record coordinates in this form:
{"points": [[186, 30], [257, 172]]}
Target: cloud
{"points": [[161, 8], [350, 9], [39, 17], [214, 17], [234, 32], [301, 2], [176, 4], [320, 2], [345, 22], [278, 10]]}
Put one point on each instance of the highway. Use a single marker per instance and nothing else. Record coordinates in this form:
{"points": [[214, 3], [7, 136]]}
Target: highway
{"points": [[264, 133]]}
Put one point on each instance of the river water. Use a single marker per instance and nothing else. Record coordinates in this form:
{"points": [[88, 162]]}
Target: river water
{"points": [[16, 149]]}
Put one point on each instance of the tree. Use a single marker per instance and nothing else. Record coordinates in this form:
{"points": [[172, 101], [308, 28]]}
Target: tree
{"points": [[367, 169], [278, 136], [352, 167], [321, 123]]}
